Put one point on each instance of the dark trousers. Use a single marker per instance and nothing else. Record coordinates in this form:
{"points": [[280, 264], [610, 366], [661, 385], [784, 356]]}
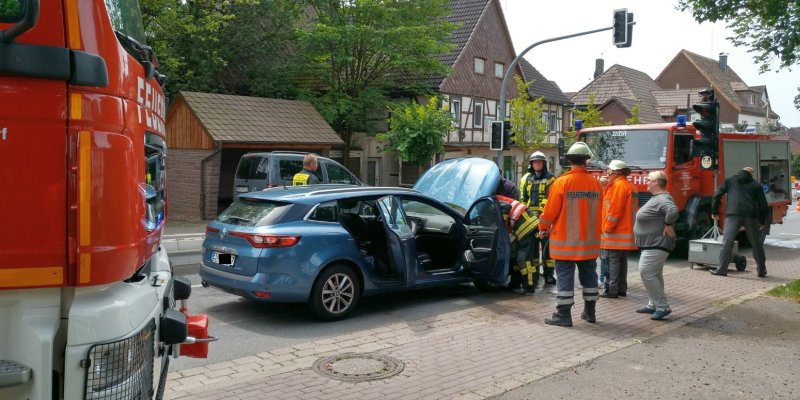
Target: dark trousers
{"points": [[548, 265], [565, 281], [523, 249], [755, 236], [617, 272]]}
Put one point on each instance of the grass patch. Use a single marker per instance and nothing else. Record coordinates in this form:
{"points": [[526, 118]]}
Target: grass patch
{"points": [[788, 291]]}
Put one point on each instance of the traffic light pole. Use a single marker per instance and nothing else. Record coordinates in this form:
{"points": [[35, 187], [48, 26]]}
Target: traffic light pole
{"points": [[501, 104]]}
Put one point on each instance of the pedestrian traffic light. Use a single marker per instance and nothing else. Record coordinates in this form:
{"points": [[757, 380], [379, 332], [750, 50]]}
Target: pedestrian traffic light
{"points": [[496, 142], [621, 28], [508, 135], [708, 126]]}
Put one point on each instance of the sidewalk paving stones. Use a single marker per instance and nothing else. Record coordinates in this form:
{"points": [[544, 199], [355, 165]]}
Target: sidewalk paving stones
{"points": [[480, 351]]}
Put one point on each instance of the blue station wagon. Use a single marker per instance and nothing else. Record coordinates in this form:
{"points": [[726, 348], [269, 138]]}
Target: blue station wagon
{"points": [[329, 245]]}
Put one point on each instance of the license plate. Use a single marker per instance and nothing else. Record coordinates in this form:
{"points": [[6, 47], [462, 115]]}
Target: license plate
{"points": [[242, 189], [696, 247], [223, 258]]}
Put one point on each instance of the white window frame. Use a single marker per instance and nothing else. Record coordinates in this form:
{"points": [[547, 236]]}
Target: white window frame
{"points": [[479, 66], [455, 111], [501, 72], [477, 119]]}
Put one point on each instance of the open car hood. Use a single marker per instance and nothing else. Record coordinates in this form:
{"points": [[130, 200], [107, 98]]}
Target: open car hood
{"points": [[460, 182]]}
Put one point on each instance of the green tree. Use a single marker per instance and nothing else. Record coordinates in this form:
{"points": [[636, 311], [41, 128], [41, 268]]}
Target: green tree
{"points": [[259, 47], [363, 50], [770, 28], [634, 118], [417, 132], [530, 131], [186, 37]]}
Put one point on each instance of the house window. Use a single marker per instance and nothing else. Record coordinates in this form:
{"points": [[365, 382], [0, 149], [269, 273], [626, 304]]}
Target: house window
{"points": [[477, 117], [479, 65], [498, 70], [553, 127], [455, 111], [752, 99]]}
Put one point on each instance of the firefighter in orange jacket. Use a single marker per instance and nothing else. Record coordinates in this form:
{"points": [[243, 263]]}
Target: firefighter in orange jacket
{"points": [[620, 203], [522, 223], [572, 219]]}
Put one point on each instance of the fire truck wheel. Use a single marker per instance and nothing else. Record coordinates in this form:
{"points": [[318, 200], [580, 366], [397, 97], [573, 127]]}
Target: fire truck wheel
{"points": [[741, 263]]}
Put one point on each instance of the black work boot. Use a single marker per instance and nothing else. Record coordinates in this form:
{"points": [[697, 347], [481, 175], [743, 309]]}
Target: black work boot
{"points": [[562, 316], [588, 312]]}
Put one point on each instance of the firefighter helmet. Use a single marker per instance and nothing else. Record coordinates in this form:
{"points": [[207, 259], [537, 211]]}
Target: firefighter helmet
{"points": [[537, 156], [580, 149], [616, 165]]}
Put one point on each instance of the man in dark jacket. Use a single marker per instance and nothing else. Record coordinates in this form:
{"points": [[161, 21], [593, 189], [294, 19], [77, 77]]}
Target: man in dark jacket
{"points": [[506, 187], [745, 205]]}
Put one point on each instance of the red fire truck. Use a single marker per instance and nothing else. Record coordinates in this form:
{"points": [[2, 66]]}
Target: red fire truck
{"points": [[87, 294], [668, 147]]}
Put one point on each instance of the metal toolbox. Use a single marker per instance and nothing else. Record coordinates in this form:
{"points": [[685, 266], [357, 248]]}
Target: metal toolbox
{"points": [[706, 251]]}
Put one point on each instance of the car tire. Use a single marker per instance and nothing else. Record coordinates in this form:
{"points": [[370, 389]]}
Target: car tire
{"points": [[335, 293]]}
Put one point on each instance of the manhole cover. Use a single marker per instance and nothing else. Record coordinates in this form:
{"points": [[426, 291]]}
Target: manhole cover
{"points": [[354, 367]]}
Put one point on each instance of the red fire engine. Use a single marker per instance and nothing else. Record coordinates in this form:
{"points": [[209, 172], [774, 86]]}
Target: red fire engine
{"points": [[87, 294], [668, 147]]}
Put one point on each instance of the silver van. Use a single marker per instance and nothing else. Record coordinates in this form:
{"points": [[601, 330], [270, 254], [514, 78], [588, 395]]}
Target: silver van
{"points": [[258, 171]]}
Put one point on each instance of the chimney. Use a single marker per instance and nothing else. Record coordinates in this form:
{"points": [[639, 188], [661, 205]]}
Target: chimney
{"points": [[598, 67], [723, 61]]}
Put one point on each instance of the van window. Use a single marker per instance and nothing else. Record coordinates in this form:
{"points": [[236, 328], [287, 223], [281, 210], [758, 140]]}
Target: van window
{"points": [[253, 167], [289, 167], [337, 174]]}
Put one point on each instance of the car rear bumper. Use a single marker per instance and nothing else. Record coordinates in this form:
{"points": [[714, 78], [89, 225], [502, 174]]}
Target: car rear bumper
{"points": [[281, 287]]}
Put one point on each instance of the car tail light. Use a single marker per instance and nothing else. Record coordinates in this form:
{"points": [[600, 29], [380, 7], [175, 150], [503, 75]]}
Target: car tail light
{"points": [[211, 230], [268, 241]]}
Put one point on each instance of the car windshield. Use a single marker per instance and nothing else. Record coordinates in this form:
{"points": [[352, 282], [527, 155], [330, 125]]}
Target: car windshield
{"points": [[645, 148], [253, 213]]}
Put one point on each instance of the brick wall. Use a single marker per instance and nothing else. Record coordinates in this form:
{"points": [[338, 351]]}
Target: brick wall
{"points": [[184, 169]]}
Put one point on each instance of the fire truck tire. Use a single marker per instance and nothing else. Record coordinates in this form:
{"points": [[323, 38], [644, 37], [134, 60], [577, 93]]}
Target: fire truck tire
{"points": [[335, 293], [741, 263]]}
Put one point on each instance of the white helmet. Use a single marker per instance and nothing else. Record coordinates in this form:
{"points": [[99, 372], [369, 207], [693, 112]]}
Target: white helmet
{"points": [[580, 149], [616, 165], [537, 156]]}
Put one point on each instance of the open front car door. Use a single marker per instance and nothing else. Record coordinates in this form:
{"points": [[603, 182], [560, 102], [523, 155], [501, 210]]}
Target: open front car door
{"points": [[486, 247]]}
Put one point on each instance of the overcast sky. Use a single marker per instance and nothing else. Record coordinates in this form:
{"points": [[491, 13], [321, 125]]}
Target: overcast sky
{"points": [[659, 34]]}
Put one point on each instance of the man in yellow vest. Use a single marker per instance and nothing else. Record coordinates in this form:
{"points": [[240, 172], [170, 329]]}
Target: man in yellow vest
{"points": [[534, 191], [307, 176]]}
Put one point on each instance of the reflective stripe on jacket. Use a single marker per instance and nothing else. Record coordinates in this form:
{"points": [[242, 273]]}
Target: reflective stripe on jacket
{"points": [[534, 190], [572, 215], [620, 204], [518, 217]]}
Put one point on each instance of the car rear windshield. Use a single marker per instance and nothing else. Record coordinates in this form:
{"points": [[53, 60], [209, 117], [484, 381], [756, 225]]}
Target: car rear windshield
{"points": [[254, 213], [253, 167]]}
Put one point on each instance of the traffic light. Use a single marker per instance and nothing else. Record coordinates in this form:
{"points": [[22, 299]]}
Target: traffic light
{"points": [[621, 28], [508, 135], [497, 136], [708, 126]]}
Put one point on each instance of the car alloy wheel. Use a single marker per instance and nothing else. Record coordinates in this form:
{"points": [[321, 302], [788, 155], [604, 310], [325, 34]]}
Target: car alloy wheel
{"points": [[336, 293]]}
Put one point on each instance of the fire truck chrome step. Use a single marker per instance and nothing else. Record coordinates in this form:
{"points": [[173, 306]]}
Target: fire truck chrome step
{"points": [[13, 373]]}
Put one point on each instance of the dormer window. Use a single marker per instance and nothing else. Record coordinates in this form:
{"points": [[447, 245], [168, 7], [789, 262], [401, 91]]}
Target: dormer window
{"points": [[479, 65]]}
